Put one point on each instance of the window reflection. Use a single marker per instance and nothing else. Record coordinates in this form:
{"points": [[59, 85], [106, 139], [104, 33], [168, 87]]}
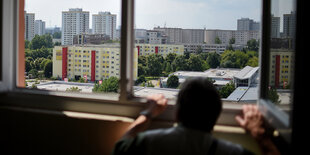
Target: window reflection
{"points": [[282, 53]]}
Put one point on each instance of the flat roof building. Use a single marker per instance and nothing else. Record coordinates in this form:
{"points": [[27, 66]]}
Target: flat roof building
{"points": [[94, 62]]}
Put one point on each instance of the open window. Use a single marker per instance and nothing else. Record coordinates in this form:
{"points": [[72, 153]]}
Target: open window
{"points": [[278, 64]]}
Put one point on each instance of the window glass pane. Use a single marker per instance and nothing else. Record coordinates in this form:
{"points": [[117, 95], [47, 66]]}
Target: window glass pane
{"points": [[218, 40], [282, 53], [73, 45]]}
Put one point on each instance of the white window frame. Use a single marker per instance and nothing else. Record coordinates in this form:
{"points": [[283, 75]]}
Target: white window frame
{"points": [[126, 104]]}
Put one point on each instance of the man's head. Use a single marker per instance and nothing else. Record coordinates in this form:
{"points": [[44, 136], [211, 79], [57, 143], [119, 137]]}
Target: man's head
{"points": [[199, 104]]}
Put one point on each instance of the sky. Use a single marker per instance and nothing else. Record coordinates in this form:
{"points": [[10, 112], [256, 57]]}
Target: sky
{"points": [[209, 14]]}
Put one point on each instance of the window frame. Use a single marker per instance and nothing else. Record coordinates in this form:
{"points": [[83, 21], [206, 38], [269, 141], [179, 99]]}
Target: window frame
{"points": [[277, 118], [127, 104]]}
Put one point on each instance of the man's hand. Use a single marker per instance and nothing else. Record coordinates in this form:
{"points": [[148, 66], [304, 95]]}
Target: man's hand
{"points": [[158, 104], [252, 121]]}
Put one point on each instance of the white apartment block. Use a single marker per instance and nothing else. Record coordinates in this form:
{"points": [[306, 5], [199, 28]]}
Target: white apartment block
{"points": [[39, 27], [75, 21], [161, 49], [193, 36], [104, 23], [174, 34], [29, 26], [241, 37], [192, 48]]}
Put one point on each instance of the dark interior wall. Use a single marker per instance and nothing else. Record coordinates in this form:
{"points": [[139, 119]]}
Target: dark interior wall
{"points": [[37, 133], [25, 132]]}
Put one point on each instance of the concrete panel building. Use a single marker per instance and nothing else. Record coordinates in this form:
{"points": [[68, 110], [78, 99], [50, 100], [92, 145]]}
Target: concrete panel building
{"points": [[29, 26], [162, 49], [104, 23], [39, 27], [94, 62], [75, 21]]}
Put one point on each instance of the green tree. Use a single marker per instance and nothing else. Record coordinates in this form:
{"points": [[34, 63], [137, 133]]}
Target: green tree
{"points": [[142, 70], [227, 90], [107, 85], [57, 35], [73, 89], [180, 63], [234, 59], [33, 73], [195, 63], [140, 79], [199, 50], [213, 59], [253, 45], [217, 40], [48, 68], [28, 66], [155, 64], [253, 62], [170, 57], [273, 95], [39, 41], [232, 41], [173, 81]]}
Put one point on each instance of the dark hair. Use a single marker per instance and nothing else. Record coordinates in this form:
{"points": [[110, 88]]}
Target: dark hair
{"points": [[199, 104]]}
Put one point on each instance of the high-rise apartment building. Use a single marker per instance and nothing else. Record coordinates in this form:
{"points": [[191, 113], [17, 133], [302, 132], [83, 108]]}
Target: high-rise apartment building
{"points": [[39, 27], [104, 23], [75, 21], [275, 27], [29, 26], [247, 24], [289, 21]]}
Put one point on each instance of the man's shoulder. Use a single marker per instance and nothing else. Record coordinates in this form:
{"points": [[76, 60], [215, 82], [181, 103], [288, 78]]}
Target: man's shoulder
{"points": [[226, 147]]}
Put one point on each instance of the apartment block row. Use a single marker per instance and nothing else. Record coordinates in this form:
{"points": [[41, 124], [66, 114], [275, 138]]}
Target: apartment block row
{"points": [[94, 62]]}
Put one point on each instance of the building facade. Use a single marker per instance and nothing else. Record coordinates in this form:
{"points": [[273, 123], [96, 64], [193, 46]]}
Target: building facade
{"points": [[39, 27], [162, 49], [174, 35], [29, 26], [289, 21], [193, 36], [275, 27], [90, 39], [155, 37], [192, 48], [247, 24], [75, 21], [281, 67], [241, 37], [104, 23], [94, 62]]}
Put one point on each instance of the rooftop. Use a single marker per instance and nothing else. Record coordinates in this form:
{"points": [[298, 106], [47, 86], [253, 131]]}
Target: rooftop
{"points": [[246, 72]]}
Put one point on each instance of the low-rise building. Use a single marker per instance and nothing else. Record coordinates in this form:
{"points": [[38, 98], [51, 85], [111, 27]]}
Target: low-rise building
{"points": [[220, 76], [94, 62], [247, 77]]}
